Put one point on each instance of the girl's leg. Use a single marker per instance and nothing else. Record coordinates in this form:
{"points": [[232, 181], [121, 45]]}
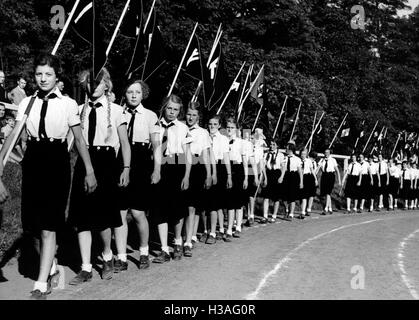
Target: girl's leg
{"points": [[276, 209], [310, 204], [163, 230], [265, 208], [303, 207], [48, 246], [121, 237], [143, 230], [190, 223]]}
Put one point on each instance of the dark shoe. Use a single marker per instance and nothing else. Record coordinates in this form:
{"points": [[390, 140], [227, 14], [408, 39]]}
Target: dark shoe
{"points": [[330, 211], [107, 269], [177, 252], [120, 266], [38, 295], [219, 236], [348, 211], [203, 237], [250, 222], [323, 213], [82, 276], [236, 234], [359, 211], [187, 251], [301, 217], [308, 214], [162, 257], [144, 262], [53, 280], [263, 220], [272, 220], [211, 240], [227, 237]]}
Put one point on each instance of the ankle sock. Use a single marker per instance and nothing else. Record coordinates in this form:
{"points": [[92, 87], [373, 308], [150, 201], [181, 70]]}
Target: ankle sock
{"points": [[144, 251], [122, 257], [165, 249], [86, 267], [107, 256], [41, 286], [53, 267]]}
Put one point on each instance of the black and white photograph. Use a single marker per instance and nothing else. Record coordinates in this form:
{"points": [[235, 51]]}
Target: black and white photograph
{"points": [[211, 155]]}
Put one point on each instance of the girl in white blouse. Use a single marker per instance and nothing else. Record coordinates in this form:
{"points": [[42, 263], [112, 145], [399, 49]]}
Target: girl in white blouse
{"points": [[394, 172]]}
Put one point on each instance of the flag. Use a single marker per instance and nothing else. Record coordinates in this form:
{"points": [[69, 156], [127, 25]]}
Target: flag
{"points": [[245, 88], [156, 54], [258, 88], [133, 20], [216, 81], [192, 65], [86, 26], [345, 132]]}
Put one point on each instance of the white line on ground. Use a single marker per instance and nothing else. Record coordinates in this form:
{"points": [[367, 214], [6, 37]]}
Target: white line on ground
{"points": [[253, 295], [400, 263]]}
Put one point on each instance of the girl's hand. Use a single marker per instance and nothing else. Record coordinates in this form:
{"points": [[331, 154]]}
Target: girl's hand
{"points": [[229, 182], [124, 178], [214, 179], [185, 183], [265, 182], [245, 183], [208, 182], [90, 183], [280, 180], [4, 195], [155, 177]]}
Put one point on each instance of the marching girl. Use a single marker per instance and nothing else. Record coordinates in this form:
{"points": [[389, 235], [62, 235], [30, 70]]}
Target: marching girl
{"points": [[309, 182], [329, 168], [143, 133], [384, 180], [239, 172], [249, 195], [312, 157], [406, 184], [351, 190], [272, 189], [291, 180], [376, 182], [200, 176], [222, 179], [259, 146], [104, 128], [175, 171], [46, 166], [394, 172], [365, 182], [414, 177]]}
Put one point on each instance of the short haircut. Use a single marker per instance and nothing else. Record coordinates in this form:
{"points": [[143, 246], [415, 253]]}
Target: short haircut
{"points": [[232, 120], [175, 99], [144, 87], [216, 117], [49, 60], [291, 147]]}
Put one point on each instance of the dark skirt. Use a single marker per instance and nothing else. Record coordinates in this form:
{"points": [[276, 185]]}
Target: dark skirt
{"points": [[384, 187], [375, 189], [169, 200], [309, 189], [272, 190], [251, 188], [327, 183], [217, 194], [351, 188], [291, 186], [365, 188], [413, 193], [236, 196], [46, 175], [137, 194], [196, 194], [98, 210], [405, 192], [393, 187]]}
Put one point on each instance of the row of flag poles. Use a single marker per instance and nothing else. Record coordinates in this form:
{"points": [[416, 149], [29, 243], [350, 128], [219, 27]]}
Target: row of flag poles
{"points": [[148, 56]]}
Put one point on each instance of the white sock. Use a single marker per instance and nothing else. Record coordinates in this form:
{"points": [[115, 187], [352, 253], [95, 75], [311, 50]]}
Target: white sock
{"points": [[238, 228], [122, 257], [308, 210], [86, 267], [188, 244], [107, 256], [144, 251], [221, 230], [41, 286], [165, 249], [194, 238], [53, 267], [230, 232], [213, 234], [178, 242]]}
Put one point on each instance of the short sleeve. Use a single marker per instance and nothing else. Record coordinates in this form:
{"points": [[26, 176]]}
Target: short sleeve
{"points": [[73, 114], [225, 145], [187, 138], [22, 108], [206, 140], [119, 116], [153, 121]]}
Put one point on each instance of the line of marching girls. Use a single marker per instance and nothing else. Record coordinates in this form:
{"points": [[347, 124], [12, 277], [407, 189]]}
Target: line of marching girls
{"points": [[168, 173]]}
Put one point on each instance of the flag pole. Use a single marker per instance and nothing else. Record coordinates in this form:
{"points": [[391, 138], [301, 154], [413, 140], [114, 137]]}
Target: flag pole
{"points": [[67, 23], [312, 128], [280, 115], [198, 89], [117, 27], [315, 129], [381, 132], [296, 120], [216, 40], [337, 132], [149, 15], [181, 62], [257, 117], [251, 86], [239, 110], [369, 138], [395, 146], [228, 93]]}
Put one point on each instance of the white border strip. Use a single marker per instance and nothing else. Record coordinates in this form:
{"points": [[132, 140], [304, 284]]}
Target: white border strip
{"points": [[400, 263]]}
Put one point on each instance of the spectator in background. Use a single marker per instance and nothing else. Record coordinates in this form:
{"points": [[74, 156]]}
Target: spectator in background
{"points": [[8, 127], [60, 85], [18, 93], [3, 95], [2, 114]]}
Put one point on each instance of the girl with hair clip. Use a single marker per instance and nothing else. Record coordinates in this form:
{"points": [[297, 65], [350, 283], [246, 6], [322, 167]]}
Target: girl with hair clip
{"points": [[46, 167], [200, 177], [272, 189], [143, 133], [309, 181], [104, 128], [394, 171], [175, 171], [291, 180], [222, 180], [239, 172]]}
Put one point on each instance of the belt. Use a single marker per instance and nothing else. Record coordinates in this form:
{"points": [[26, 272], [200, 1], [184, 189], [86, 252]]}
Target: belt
{"points": [[100, 148], [142, 144], [33, 139]]}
